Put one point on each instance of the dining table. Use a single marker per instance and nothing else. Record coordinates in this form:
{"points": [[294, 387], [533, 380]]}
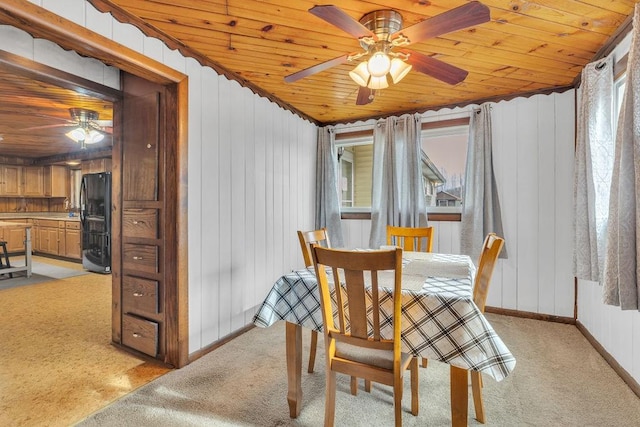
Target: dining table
{"points": [[27, 248], [440, 322]]}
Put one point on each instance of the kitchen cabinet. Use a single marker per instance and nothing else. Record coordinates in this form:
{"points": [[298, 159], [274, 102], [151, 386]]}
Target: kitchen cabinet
{"points": [[33, 181], [11, 180], [96, 165], [48, 236], [56, 181], [72, 240], [14, 237]]}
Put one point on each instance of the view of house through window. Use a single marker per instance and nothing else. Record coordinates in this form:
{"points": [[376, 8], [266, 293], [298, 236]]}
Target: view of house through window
{"points": [[444, 153], [446, 148]]}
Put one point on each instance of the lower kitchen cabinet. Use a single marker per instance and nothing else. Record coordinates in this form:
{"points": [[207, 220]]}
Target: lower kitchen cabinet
{"points": [[72, 237], [15, 237]]}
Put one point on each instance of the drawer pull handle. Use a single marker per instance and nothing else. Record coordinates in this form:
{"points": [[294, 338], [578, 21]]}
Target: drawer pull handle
{"points": [[137, 258], [137, 294], [136, 222], [136, 335]]}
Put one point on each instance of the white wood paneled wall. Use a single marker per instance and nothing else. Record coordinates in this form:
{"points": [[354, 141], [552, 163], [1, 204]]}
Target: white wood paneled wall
{"points": [[533, 158], [251, 174]]}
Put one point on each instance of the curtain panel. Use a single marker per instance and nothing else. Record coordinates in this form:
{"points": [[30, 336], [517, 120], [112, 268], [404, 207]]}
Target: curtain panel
{"points": [[398, 190], [480, 206], [621, 286], [592, 169], [327, 197]]}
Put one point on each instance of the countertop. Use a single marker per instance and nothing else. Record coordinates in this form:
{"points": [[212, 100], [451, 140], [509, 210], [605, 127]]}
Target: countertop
{"points": [[61, 216]]}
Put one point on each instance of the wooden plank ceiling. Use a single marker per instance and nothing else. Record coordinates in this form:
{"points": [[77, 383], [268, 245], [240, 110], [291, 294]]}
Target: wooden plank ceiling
{"points": [[526, 47], [34, 117]]}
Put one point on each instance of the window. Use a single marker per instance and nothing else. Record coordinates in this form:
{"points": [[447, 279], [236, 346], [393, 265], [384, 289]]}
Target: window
{"points": [[445, 146], [355, 154], [618, 95], [444, 154]]}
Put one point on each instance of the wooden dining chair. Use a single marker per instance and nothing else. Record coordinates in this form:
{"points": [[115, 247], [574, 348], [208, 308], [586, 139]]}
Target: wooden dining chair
{"points": [[358, 349], [307, 238], [488, 258], [417, 239]]}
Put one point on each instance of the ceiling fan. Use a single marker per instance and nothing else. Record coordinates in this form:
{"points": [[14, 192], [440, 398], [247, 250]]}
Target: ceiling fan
{"points": [[87, 128], [383, 39]]}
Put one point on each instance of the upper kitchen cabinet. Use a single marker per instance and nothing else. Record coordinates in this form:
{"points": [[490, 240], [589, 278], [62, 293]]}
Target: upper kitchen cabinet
{"points": [[33, 181], [56, 182], [11, 180]]}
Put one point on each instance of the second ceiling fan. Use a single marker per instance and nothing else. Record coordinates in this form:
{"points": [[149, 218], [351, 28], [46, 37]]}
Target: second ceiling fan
{"points": [[383, 41]]}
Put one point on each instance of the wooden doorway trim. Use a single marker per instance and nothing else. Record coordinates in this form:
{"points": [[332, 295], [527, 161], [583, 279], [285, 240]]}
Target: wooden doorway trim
{"points": [[41, 23]]}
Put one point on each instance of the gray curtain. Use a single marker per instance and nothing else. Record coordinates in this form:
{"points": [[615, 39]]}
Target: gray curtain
{"points": [[327, 198], [622, 260], [480, 205], [398, 191], [592, 168]]}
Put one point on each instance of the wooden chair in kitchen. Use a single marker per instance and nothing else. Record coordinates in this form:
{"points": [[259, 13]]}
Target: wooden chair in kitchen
{"points": [[488, 258], [416, 239], [5, 253], [357, 349], [307, 238]]}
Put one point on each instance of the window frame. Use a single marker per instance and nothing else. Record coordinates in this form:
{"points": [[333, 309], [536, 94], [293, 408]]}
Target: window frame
{"points": [[365, 137]]}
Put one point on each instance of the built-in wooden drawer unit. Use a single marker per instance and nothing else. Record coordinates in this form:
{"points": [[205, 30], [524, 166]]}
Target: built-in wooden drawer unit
{"points": [[140, 296], [140, 223], [140, 258], [140, 334], [72, 225]]}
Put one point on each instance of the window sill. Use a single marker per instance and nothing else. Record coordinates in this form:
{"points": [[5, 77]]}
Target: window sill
{"points": [[432, 216]]}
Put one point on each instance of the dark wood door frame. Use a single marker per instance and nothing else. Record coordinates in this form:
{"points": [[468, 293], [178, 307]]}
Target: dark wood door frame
{"points": [[41, 23]]}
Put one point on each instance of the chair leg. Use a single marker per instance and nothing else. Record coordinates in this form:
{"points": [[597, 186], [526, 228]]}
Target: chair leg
{"points": [[367, 386], [354, 386], [476, 387], [414, 385], [424, 362], [397, 402], [312, 351], [330, 399]]}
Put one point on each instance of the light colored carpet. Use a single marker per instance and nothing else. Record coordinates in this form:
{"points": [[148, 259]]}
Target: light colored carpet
{"points": [[559, 380], [58, 363], [41, 272]]}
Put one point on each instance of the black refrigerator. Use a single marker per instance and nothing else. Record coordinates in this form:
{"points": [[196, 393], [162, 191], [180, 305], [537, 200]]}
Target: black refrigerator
{"points": [[95, 217]]}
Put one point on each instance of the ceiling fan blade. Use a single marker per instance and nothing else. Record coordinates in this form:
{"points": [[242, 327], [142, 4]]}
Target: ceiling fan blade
{"points": [[464, 16], [315, 69], [337, 17], [365, 96], [436, 68], [47, 127]]}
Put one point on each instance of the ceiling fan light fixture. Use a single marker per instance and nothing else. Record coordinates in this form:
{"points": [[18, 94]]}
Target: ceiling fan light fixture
{"points": [[379, 64], [76, 135], [360, 74], [85, 136], [378, 82], [93, 136], [399, 69]]}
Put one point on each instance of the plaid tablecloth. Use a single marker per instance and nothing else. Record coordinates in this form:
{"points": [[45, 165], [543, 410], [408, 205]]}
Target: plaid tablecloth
{"points": [[439, 321]]}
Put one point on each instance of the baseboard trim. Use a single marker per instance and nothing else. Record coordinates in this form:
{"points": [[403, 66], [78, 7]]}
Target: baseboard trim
{"points": [[626, 377], [530, 315], [208, 349]]}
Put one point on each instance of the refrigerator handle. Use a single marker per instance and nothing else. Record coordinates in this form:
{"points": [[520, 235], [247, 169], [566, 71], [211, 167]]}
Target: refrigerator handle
{"points": [[83, 200]]}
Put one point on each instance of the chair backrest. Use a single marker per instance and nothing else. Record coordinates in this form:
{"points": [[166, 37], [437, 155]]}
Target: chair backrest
{"points": [[418, 239], [307, 238], [353, 269], [488, 258]]}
